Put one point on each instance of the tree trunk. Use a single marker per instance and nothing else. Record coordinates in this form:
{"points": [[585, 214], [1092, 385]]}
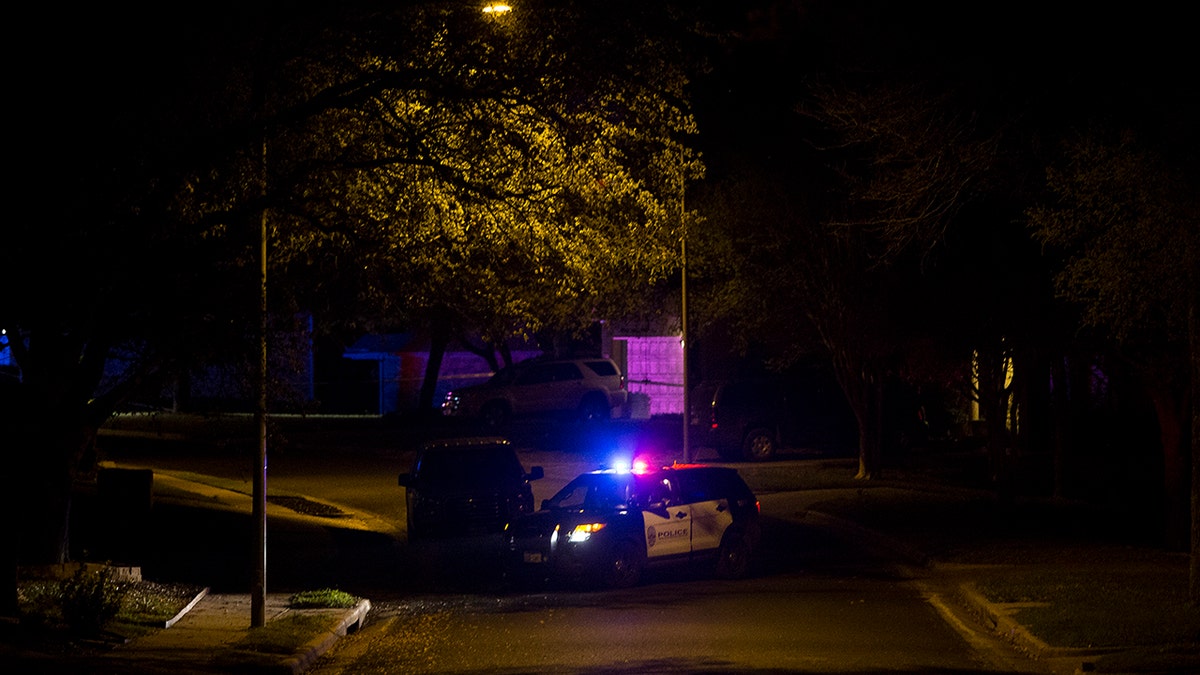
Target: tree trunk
{"points": [[45, 484], [993, 402], [49, 430], [439, 339], [1063, 421], [1194, 434], [864, 393], [870, 429], [45, 462], [1167, 408]]}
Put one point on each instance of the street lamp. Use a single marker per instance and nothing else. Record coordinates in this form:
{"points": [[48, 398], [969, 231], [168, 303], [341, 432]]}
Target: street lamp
{"points": [[497, 8]]}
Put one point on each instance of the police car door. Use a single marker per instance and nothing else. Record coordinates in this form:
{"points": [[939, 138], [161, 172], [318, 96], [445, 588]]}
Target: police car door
{"points": [[710, 512], [667, 521]]}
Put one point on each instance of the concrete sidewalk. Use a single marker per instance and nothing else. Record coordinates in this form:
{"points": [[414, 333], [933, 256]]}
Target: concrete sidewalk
{"points": [[206, 639]]}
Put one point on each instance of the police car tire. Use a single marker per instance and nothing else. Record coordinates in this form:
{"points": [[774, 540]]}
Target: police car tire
{"points": [[622, 567], [733, 557]]}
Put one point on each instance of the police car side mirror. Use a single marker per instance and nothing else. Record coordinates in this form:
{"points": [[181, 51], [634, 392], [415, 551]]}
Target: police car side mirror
{"points": [[535, 473]]}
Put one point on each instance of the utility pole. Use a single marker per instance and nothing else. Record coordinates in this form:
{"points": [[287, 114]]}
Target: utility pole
{"points": [[687, 452], [258, 594], [683, 342]]}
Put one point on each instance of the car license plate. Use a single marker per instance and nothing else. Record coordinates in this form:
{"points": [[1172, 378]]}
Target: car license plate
{"points": [[533, 557]]}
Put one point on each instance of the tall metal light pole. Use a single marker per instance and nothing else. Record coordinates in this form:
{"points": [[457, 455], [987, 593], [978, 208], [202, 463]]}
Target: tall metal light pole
{"points": [[687, 452], [258, 594]]}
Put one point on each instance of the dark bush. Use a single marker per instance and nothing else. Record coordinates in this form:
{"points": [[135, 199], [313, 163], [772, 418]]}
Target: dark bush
{"points": [[90, 599]]}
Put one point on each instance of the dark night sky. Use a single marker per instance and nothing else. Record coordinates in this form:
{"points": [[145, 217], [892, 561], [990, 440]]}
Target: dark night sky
{"points": [[1059, 65], [1069, 61]]}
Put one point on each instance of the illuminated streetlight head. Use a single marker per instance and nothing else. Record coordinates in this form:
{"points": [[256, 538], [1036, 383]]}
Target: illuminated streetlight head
{"points": [[497, 8]]}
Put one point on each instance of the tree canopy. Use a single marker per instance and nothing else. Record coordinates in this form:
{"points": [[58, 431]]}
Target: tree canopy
{"points": [[410, 160], [1123, 220]]}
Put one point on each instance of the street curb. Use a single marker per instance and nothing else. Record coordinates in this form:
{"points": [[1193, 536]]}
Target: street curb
{"points": [[985, 612], [309, 653], [173, 620], [989, 614], [1002, 624], [996, 616]]}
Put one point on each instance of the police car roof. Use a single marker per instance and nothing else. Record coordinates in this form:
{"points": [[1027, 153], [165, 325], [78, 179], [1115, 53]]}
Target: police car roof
{"points": [[654, 469]]}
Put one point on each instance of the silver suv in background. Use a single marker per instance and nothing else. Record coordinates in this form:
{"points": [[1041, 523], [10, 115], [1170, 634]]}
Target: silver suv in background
{"points": [[587, 388]]}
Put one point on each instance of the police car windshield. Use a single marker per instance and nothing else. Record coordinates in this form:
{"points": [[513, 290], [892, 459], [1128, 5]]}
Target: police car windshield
{"points": [[593, 492]]}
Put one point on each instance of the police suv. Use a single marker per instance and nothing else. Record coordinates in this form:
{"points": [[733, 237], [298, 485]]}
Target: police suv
{"points": [[608, 526]]}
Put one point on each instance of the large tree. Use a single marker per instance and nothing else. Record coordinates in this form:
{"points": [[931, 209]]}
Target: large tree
{"points": [[881, 174], [1125, 221], [532, 160], [910, 163], [410, 161]]}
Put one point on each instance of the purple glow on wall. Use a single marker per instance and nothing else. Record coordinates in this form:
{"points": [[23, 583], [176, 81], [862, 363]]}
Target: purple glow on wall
{"points": [[654, 367]]}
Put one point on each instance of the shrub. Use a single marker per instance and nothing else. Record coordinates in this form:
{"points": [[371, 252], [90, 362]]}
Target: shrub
{"points": [[322, 599], [90, 599], [40, 603]]}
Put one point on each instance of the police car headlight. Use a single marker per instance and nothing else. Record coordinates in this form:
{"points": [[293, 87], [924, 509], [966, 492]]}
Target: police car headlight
{"points": [[584, 531]]}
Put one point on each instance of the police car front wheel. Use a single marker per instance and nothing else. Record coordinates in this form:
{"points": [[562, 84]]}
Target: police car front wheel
{"points": [[622, 567]]}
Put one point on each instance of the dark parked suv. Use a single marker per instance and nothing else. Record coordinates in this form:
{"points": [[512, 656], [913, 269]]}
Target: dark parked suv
{"points": [[466, 487], [607, 526], [751, 419]]}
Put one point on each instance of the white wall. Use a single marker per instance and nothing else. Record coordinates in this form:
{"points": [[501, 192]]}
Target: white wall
{"points": [[654, 366]]}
